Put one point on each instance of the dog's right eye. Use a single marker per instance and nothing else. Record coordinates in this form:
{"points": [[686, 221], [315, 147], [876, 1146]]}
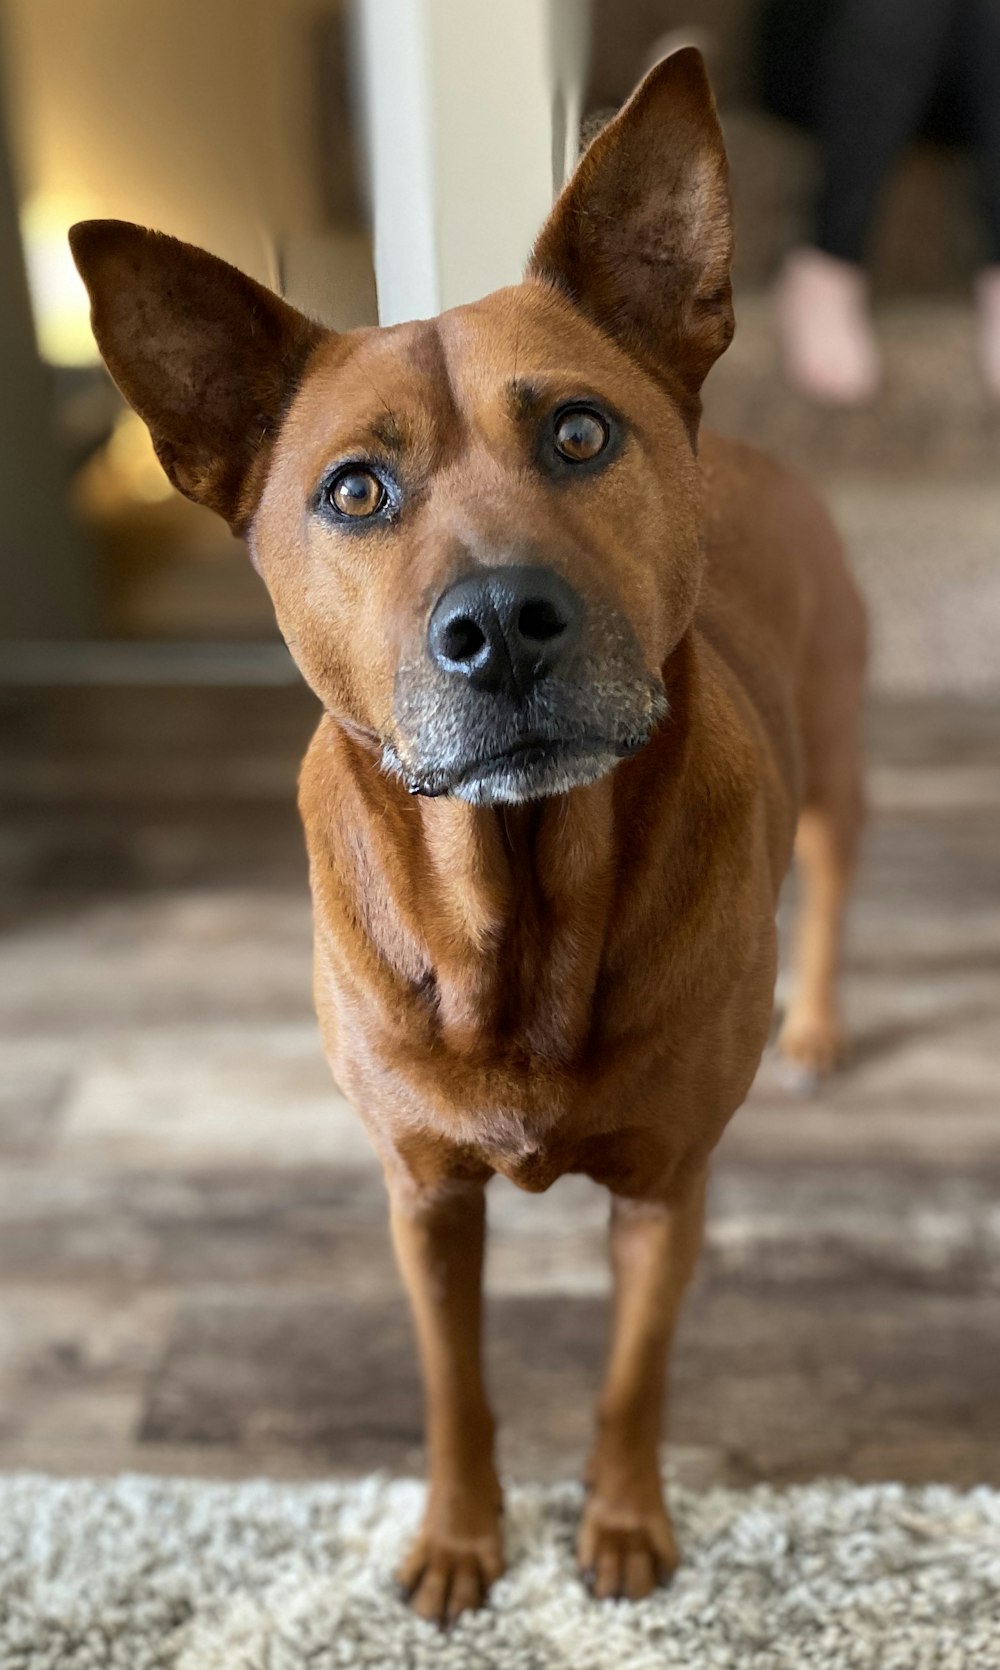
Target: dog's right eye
{"points": [[356, 493]]}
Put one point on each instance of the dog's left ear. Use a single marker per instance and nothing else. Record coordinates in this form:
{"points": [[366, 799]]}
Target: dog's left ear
{"points": [[641, 238]]}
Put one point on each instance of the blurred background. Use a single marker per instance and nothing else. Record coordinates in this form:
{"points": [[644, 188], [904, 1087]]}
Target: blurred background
{"points": [[194, 1267]]}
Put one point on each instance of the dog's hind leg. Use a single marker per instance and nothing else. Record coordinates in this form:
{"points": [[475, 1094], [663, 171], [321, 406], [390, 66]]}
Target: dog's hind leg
{"points": [[626, 1544], [812, 1037], [438, 1234]]}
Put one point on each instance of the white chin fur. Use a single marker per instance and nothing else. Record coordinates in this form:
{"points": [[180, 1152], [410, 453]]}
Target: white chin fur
{"points": [[511, 785]]}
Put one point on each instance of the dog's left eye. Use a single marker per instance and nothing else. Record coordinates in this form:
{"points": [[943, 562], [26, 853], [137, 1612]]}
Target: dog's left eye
{"points": [[580, 434], [356, 492]]}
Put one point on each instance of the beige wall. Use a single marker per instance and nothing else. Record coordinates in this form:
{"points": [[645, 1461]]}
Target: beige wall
{"points": [[197, 116], [44, 580]]}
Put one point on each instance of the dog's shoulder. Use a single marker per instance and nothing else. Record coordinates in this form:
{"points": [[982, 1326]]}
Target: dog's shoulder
{"points": [[772, 553], [761, 507]]}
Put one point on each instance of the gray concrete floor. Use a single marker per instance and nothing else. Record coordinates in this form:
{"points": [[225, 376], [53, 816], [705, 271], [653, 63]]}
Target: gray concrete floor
{"points": [[194, 1268]]}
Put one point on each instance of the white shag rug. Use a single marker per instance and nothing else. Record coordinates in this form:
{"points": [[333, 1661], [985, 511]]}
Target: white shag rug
{"points": [[153, 1574]]}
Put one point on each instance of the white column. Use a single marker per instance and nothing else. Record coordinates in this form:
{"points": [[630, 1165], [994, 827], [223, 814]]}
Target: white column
{"points": [[472, 113]]}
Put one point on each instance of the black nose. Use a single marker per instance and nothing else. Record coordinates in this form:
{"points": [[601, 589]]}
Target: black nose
{"points": [[504, 628]]}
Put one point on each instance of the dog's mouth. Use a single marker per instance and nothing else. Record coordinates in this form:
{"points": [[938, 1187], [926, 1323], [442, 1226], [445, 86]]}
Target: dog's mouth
{"points": [[537, 767], [530, 768], [568, 729]]}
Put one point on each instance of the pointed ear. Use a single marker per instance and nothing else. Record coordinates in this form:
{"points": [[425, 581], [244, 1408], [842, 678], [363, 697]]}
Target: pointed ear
{"points": [[641, 237], [207, 357]]}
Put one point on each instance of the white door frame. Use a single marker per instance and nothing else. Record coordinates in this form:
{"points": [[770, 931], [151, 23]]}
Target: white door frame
{"points": [[471, 118]]}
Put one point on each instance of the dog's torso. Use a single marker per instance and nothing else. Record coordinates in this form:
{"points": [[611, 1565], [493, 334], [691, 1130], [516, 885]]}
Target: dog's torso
{"points": [[586, 983]]}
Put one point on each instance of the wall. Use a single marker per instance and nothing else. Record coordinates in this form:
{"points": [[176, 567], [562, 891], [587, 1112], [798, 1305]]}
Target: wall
{"points": [[202, 119]]}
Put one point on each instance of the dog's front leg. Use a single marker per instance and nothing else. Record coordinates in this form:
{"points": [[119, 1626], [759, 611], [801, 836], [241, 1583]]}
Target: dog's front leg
{"points": [[626, 1543], [438, 1235]]}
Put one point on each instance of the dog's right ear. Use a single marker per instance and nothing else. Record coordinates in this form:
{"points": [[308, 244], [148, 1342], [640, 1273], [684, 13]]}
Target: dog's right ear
{"points": [[207, 357]]}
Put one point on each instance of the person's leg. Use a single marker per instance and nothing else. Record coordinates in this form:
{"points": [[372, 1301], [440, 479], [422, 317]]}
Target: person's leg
{"points": [[981, 54], [882, 60], [880, 64]]}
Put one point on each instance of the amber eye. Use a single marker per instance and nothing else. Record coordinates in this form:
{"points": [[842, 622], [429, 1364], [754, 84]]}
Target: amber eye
{"points": [[580, 434], [356, 492]]}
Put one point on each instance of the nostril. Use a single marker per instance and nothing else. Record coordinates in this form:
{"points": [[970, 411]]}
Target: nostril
{"points": [[539, 620], [462, 639]]}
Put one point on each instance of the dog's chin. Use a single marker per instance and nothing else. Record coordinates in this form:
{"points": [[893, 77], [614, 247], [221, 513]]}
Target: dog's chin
{"points": [[534, 773], [532, 770]]}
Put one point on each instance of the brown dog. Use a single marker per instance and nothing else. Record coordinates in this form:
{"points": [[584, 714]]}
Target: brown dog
{"points": [[580, 671]]}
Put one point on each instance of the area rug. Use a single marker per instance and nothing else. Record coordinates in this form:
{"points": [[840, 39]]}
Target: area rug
{"points": [[152, 1574]]}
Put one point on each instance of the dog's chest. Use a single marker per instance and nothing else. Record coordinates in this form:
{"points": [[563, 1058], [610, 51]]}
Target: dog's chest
{"points": [[528, 1147]]}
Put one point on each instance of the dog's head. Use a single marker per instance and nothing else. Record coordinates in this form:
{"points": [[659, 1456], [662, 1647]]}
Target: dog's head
{"points": [[481, 532]]}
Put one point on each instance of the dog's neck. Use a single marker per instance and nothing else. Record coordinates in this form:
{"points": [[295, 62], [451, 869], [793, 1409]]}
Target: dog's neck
{"points": [[499, 919], [522, 895]]}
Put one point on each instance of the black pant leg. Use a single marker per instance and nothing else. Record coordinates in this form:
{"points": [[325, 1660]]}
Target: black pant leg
{"points": [[880, 64], [980, 46]]}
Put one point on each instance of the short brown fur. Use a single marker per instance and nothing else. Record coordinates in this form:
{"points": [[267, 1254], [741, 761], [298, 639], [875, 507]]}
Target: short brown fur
{"points": [[581, 982]]}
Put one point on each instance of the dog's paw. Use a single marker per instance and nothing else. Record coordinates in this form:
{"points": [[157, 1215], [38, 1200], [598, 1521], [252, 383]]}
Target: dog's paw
{"points": [[445, 1576], [811, 1047], [625, 1555]]}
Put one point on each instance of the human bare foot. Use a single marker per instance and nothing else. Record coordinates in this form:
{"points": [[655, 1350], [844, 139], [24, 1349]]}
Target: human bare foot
{"points": [[988, 308], [827, 339]]}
